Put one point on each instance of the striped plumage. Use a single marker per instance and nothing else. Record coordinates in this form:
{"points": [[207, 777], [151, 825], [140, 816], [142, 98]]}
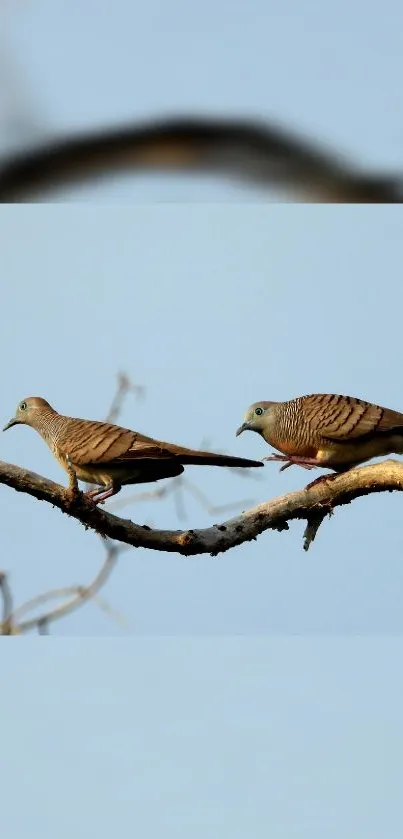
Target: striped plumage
{"points": [[326, 430], [108, 455]]}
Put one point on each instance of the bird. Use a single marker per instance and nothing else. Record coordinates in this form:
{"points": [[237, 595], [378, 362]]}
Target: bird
{"points": [[108, 455], [325, 430]]}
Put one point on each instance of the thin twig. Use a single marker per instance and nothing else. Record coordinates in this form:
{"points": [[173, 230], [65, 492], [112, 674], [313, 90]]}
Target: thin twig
{"points": [[214, 508], [78, 596], [6, 625], [125, 386], [150, 495]]}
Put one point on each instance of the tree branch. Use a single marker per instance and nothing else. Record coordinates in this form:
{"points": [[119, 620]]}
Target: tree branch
{"points": [[6, 627], [310, 504], [73, 596], [249, 150]]}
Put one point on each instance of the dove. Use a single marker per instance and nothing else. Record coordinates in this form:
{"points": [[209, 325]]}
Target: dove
{"points": [[110, 456], [326, 430]]}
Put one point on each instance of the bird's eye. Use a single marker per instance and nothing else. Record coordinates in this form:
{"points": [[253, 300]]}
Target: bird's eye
{"points": [[258, 412], [23, 406]]}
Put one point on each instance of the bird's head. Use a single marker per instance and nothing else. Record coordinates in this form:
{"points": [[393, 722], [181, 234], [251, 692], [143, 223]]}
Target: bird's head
{"points": [[28, 412], [257, 417]]}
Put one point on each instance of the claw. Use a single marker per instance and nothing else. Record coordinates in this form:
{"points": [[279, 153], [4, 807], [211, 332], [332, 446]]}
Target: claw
{"points": [[328, 477], [290, 460]]}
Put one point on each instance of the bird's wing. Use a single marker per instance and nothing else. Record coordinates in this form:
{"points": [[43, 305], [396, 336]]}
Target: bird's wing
{"points": [[345, 418], [89, 442]]}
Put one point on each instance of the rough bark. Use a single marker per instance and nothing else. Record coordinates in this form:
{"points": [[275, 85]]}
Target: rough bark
{"points": [[311, 504]]}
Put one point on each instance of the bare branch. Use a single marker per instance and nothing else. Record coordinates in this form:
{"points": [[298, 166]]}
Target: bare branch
{"points": [[261, 153], [43, 628], [309, 503], [204, 501], [125, 386], [6, 625], [78, 595], [313, 525], [150, 495]]}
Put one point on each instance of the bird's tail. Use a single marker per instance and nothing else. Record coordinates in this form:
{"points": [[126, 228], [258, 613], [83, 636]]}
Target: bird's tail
{"points": [[196, 458]]}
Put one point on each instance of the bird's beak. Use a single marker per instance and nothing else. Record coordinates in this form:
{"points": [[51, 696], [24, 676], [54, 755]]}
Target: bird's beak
{"points": [[243, 427], [10, 424]]}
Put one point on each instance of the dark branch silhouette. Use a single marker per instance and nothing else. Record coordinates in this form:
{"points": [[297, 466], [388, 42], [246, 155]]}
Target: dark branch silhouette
{"points": [[248, 150]]}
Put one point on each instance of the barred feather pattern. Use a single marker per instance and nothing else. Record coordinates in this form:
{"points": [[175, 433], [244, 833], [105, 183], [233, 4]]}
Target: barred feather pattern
{"points": [[334, 427]]}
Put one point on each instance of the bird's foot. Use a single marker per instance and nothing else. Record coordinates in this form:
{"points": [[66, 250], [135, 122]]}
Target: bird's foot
{"points": [[99, 496], [293, 460], [330, 476]]}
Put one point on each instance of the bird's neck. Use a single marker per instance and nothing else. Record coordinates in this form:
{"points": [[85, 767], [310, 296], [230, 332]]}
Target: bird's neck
{"points": [[270, 424], [49, 424]]}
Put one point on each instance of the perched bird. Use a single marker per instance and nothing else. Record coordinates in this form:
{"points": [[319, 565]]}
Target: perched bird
{"points": [[108, 455], [326, 430]]}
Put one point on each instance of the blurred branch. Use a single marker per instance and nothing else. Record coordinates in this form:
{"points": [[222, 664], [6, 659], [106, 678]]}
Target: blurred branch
{"points": [[77, 596], [148, 495], [22, 123], [176, 486], [311, 504], [180, 484], [261, 153], [6, 622], [124, 386]]}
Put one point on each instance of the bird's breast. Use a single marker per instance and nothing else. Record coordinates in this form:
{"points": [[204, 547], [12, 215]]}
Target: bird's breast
{"points": [[88, 473], [292, 447], [91, 475]]}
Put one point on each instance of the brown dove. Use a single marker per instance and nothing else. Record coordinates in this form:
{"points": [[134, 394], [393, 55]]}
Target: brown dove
{"points": [[326, 430], [108, 455]]}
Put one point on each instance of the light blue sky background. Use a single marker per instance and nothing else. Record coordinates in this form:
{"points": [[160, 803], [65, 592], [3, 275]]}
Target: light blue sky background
{"points": [[210, 307], [195, 738], [331, 70]]}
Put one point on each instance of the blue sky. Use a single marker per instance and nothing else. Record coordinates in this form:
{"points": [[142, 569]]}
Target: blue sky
{"points": [[332, 71], [195, 738], [211, 307]]}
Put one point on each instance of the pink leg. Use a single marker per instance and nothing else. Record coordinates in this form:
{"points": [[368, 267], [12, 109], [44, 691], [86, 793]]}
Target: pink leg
{"points": [[99, 496], [291, 460]]}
